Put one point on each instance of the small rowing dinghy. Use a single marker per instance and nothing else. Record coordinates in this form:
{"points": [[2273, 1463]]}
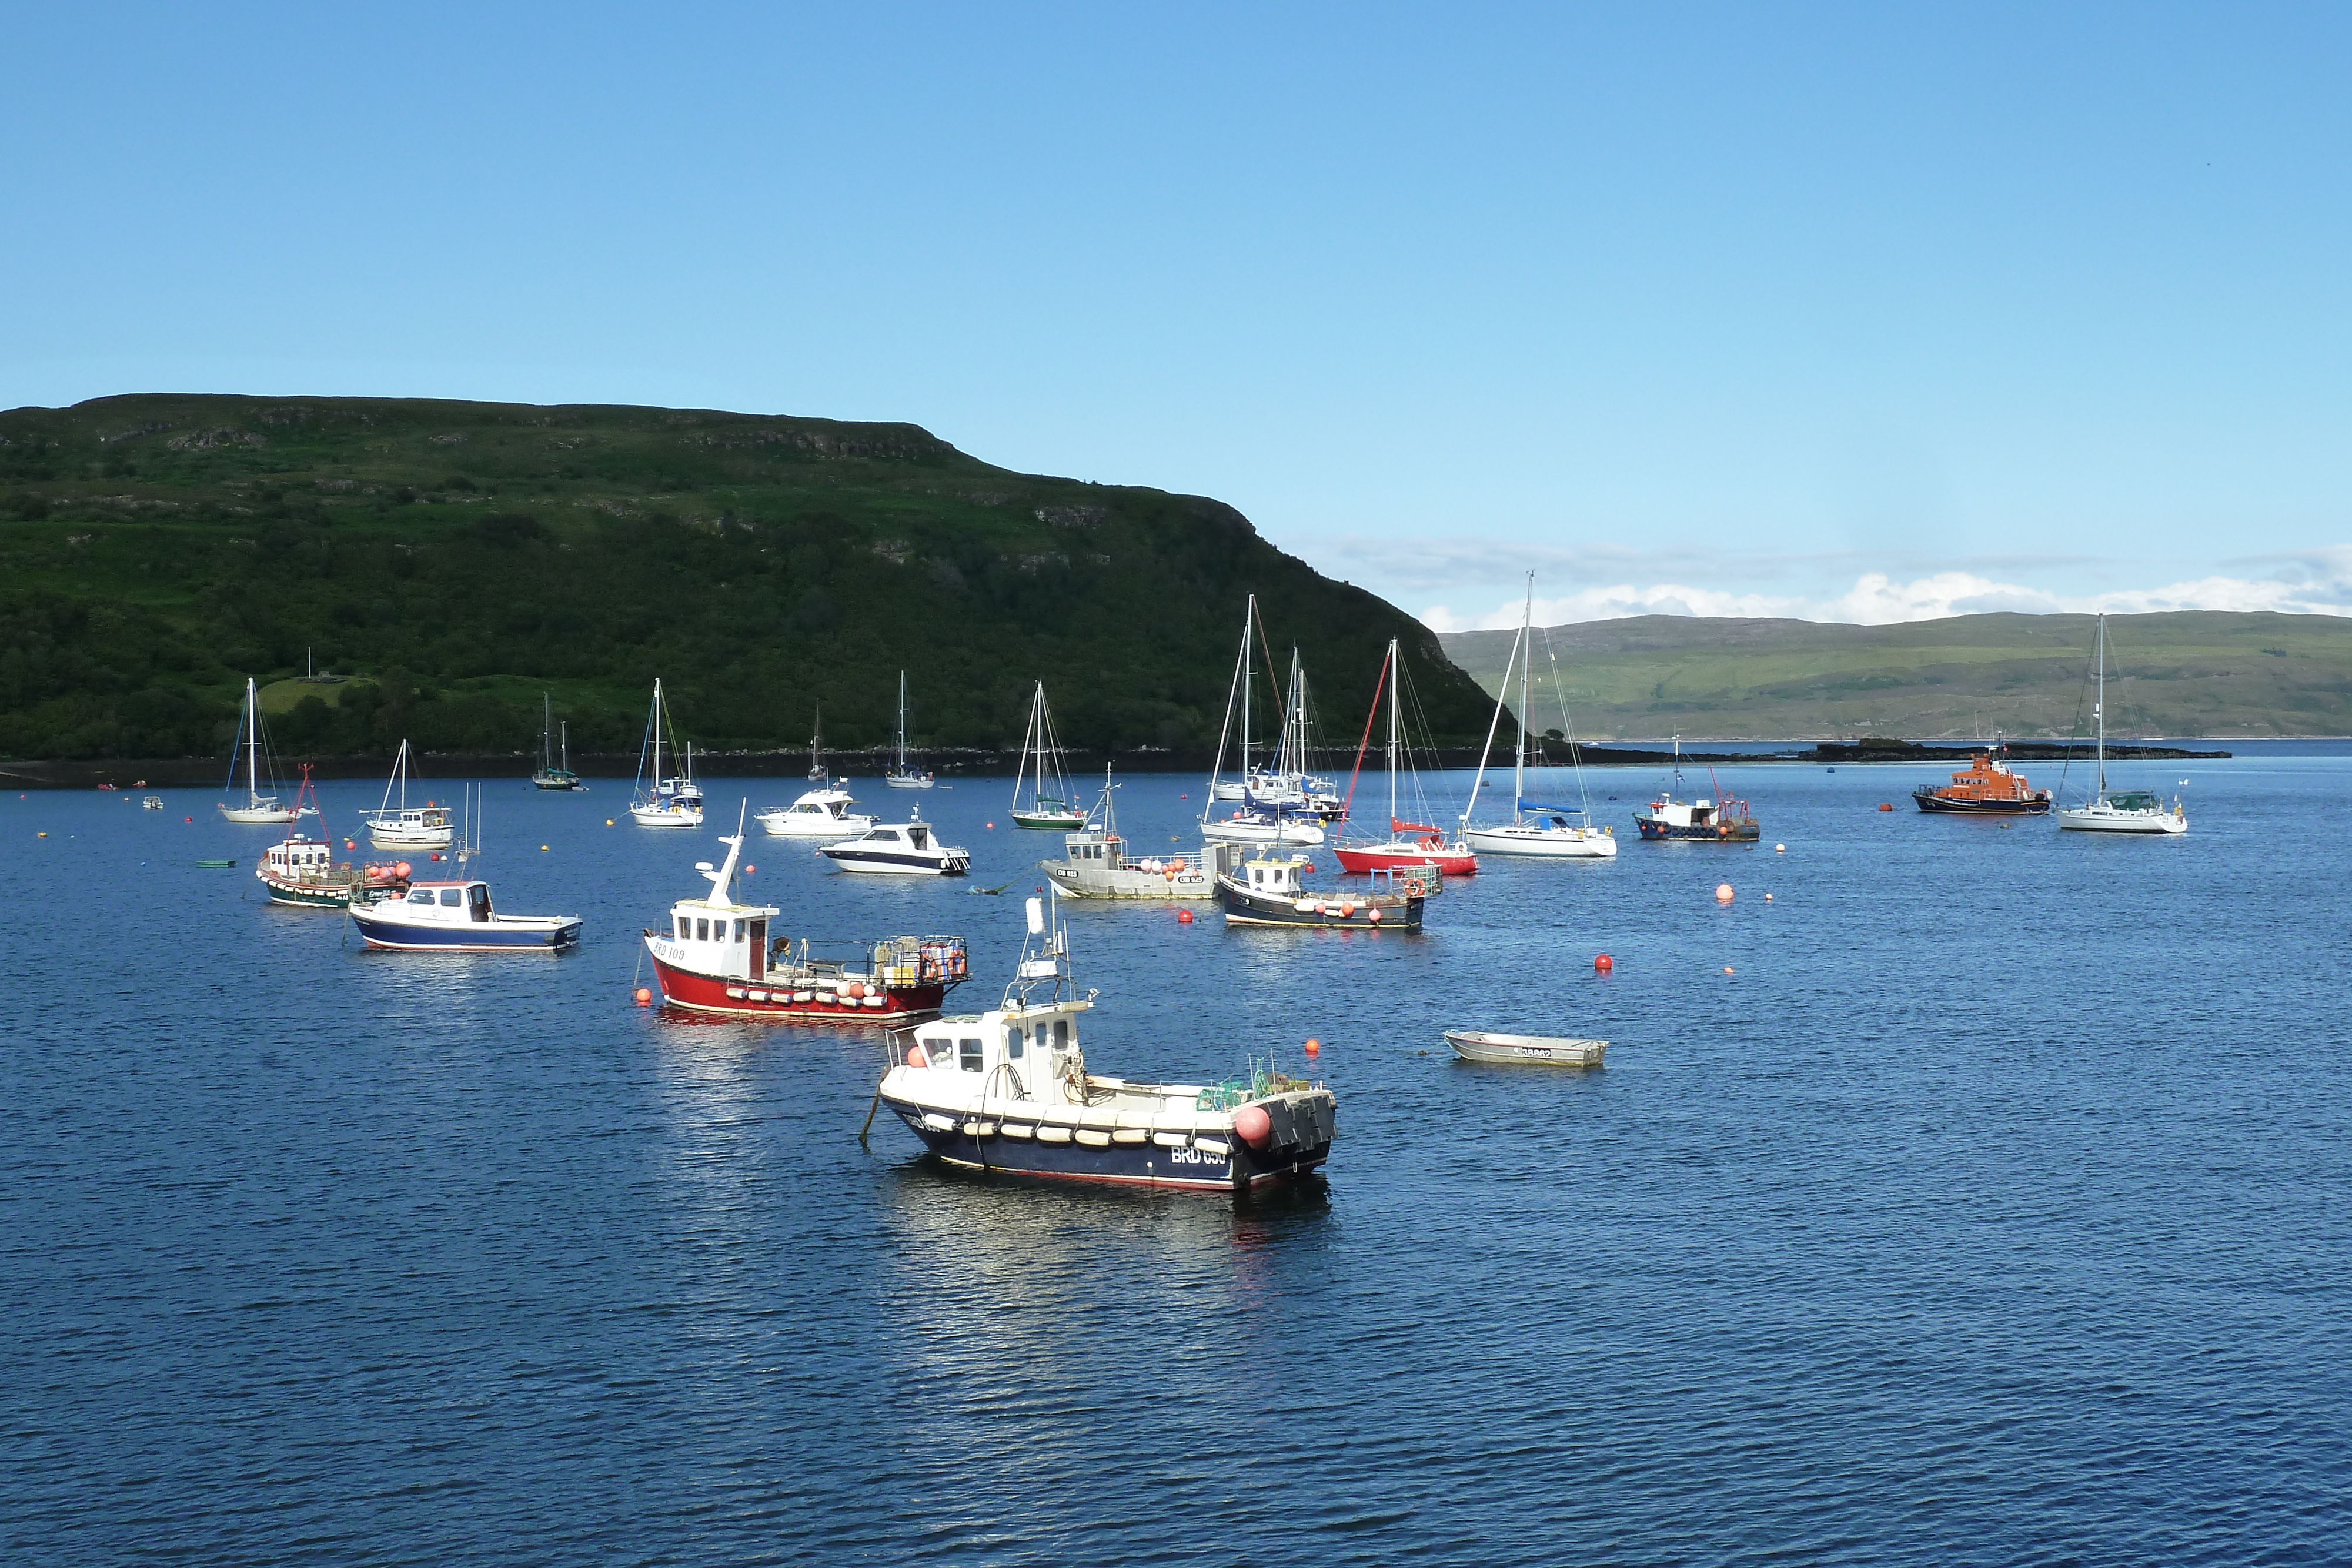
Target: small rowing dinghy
{"points": [[1478, 1045]]}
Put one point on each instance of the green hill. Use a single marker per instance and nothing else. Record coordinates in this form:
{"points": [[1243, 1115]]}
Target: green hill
{"points": [[2189, 673], [460, 558]]}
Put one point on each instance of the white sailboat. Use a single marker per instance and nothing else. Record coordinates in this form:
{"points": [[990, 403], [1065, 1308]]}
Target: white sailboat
{"points": [[657, 801], [2117, 810], [1041, 765], [1259, 820], [900, 776], [1535, 828], [400, 827], [259, 808]]}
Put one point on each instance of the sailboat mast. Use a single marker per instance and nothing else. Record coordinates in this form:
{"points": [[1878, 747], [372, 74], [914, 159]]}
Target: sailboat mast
{"points": [[252, 743], [1526, 662], [1393, 675], [1249, 678], [660, 718], [2099, 703]]}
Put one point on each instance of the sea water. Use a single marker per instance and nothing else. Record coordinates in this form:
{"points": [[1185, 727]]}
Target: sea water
{"points": [[1980, 1197]]}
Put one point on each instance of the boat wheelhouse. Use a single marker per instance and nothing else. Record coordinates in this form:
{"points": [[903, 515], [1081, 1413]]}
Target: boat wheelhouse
{"points": [[1095, 865], [458, 917], [717, 956], [1267, 889], [1008, 1091], [904, 849], [1987, 787]]}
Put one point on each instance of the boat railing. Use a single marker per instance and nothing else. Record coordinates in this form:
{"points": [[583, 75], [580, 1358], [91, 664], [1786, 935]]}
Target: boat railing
{"points": [[1409, 881]]}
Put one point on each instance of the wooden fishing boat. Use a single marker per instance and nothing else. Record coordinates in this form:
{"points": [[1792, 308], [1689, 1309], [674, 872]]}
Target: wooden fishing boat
{"points": [[1537, 1049], [1008, 1091], [302, 872], [1705, 820], [1095, 862], [1269, 890]]}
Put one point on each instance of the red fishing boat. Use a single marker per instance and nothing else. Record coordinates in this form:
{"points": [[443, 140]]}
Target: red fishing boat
{"points": [[1985, 788], [719, 956], [1408, 843]]}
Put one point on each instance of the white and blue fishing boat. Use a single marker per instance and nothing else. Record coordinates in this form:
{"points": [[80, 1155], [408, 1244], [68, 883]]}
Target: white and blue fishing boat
{"points": [[1008, 1091], [457, 916]]}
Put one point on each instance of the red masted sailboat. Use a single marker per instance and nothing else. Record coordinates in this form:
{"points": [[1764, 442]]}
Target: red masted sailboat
{"points": [[1408, 843]]}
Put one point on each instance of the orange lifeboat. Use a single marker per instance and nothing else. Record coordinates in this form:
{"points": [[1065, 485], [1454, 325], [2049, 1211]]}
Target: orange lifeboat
{"points": [[1985, 788]]}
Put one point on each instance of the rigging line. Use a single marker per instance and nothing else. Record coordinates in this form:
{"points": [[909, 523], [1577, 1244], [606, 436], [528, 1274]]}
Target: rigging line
{"points": [[1348, 805], [1567, 728], [2074, 735]]}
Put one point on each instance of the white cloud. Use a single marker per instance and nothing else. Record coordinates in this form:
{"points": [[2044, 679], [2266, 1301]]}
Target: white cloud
{"points": [[2317, 583]]}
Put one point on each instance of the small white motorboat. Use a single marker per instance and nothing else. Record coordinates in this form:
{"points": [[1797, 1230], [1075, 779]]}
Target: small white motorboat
{"points": [[908, 849], [1555, 1050], [820, 814]]}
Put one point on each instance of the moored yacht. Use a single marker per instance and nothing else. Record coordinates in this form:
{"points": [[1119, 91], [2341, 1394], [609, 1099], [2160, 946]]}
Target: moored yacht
{"points": [[2118, 811], [1408, 843], [656, 801], [401, 827], [1536, 829], [1008, 1091], [820, 812], [259, 809]]}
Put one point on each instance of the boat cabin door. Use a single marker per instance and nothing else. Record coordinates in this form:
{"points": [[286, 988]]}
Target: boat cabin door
{"points": [[758, 948], [477, 901]]}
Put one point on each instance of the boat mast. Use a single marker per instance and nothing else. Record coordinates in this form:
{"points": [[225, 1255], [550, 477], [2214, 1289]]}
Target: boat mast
{"points": [[660, 718], [252, 743], [1249, 676], [902, 721], [2099, 704], [1392, 736], [1493, 724], [1519, 760]]}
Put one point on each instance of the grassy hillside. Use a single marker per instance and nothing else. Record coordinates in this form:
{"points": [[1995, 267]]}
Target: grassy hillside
{"points": [[2182, 674], [460, 559]]}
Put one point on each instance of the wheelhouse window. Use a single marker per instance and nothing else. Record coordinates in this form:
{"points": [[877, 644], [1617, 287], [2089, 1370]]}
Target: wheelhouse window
{"points": [[739, 931], [685, 928], [702, 931], [1014, 1039], [1061, 1034], [967, 1055], [452, 897], [421, 896]]}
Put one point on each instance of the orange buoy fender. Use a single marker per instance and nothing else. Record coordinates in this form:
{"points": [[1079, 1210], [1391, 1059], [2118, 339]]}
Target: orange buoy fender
{"points": [[856, 992], [917, 1057], [1252, 1126]]}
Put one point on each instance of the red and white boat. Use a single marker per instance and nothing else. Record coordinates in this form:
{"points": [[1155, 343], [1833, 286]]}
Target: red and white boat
{"points": [[720, 957], [1408, 843]]}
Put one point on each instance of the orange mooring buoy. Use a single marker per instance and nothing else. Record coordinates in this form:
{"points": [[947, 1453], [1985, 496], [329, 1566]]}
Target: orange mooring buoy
{"points": [[645, 996], [1726, 968], [1722, 892], [1603, 964], [1886, 805], [1183, 917], [1314, 1047]]}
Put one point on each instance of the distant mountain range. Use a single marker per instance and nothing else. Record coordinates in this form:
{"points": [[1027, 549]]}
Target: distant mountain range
{"points": [[456, 560], [2198, 673]]}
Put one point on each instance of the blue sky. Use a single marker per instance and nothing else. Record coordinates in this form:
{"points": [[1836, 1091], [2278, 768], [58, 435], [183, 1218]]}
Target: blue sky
{"points": [[1851, 313]]}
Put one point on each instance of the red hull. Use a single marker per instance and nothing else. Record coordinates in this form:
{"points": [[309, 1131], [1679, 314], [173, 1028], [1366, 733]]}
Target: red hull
{"points": [[1447, 862], [749, 998]]}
